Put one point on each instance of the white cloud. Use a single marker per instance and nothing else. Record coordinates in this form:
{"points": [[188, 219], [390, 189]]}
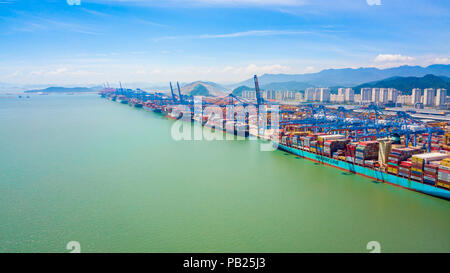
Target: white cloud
{"points": [[393, 58], [73, 2], [441, 60], [373, 2], [309, 69], [57, 72], [237, 34]]}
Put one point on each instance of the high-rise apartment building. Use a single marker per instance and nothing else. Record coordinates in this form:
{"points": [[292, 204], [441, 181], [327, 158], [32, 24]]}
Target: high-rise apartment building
{"points": [[366, 94], [393, 94], [309, 94], [324, 95], [416, 95], [428, 97], [441, 97], [375, 95], [384, 92], [349, 95]]}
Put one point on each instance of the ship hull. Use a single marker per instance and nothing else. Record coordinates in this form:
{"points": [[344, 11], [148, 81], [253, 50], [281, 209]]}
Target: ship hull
{"points": [[371, 173]]}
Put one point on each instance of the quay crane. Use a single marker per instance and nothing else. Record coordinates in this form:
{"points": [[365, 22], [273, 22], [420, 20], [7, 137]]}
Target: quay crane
{"points": [[367, 123], [259, 100], [179, 93], [173, 95]]}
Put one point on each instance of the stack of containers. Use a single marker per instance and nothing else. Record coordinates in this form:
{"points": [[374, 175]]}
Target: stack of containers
{"points": [[339, 154], [331, 146], [289, 141], [446, 141], [350, 152], [404, 169], [435, 146], [295, 142], [444, 174], [308, 139], [321, 138], [398, 155], [367, 150], [419, 161], [306, 142], [284, 140], [430, 172], [313, 146], [313, 143], [319, 148], [319, 144]]}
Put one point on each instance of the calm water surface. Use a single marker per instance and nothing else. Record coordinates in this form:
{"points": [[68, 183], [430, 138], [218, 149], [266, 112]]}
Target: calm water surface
{"points": [[81, 168]]}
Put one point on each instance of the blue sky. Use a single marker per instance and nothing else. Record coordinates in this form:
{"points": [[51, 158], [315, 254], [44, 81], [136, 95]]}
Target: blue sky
{"points": [[60, 42]]}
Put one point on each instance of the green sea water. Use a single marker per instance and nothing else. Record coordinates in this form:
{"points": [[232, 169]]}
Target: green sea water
{"points": [[81, 168]]}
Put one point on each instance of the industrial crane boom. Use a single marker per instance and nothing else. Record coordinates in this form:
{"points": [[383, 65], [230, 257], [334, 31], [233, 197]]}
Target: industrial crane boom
{"points": [[258, 94], [179, 93], [173, 95]]}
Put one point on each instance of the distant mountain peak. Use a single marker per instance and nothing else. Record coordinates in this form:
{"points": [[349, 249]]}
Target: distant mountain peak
{"points": [[348, 77], [212, 88]]}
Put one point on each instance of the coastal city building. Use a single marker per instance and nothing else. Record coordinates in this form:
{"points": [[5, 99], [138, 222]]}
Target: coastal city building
{"points": [[324, 95], [349, 95], [366, 95], [393, 94], [309, 94], [346, 95], [416, 95], [337, 98], [441, 97], [384, 95], [249, 95], [375, 95], [404, 99], [381, 96], [428, 97], [317, 94]]}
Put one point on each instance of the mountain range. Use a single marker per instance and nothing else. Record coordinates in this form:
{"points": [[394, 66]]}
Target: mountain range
{"points": [[403, 78], [406, 84], [346, 77], [213, 89], [58, 89]]}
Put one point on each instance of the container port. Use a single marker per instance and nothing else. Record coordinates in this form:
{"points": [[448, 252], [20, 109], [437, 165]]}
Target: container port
{"points": [[389, 147]]}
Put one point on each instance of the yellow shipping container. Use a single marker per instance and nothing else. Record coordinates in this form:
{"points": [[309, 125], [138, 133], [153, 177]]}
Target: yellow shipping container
{"points": [[445, 162], [392, 170], [416, 170], [440, 184]]}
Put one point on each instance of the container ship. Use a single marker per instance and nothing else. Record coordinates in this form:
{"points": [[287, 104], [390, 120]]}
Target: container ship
{"points": [[406, 167], [135, 103], [174, 114], [122, 99]]}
